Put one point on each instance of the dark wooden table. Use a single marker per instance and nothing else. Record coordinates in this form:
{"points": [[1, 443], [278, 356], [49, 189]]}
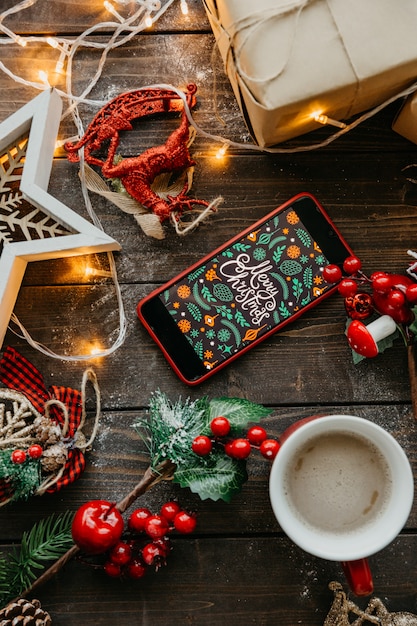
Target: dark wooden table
{"points": [[238, 568]]}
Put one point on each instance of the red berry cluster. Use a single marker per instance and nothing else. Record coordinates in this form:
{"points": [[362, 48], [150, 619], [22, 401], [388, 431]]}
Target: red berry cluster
{"points": [[239, 448], [19, 456], [391, 294], [147, 543]]}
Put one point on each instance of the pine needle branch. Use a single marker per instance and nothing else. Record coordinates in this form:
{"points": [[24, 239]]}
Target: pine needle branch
{"points": [[46, 541]]}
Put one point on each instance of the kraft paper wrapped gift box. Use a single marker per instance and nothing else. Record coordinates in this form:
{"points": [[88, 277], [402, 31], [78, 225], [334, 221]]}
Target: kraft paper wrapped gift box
{"points": [[289, 60]]}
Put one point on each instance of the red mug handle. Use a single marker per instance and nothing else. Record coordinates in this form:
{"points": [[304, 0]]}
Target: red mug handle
{"points": [[359, 577]]}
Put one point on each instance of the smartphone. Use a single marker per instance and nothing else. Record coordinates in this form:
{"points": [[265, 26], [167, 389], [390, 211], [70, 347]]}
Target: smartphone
{"points": [[244, 291]]}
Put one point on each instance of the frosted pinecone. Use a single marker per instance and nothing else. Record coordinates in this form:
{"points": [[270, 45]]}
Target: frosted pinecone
{"points": [[54, 457], [24, 612], [46, 431]]}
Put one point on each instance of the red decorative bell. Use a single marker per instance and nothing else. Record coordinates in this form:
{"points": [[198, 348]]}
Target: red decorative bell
{"points": [[359, 306]]}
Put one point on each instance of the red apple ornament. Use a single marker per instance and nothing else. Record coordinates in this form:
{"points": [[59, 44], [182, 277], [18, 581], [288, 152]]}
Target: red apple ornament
{"points": [[97, 526]]}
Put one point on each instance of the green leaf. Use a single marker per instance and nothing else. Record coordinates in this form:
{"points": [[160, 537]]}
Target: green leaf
{"points": [[241, 247], [220, 480], [413, 326], [206, 293], [274, 242], [194, 311], [308, 277], [224, 311], [240, 319], [283, 310], [196, 273], [239, 412], [278, 254], [297, 288], [304, 236]]}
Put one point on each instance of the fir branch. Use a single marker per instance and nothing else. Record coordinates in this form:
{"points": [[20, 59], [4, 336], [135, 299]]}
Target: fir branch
{"points": [[24, 479], [4, 580], [172, 427], [46, 541], [168, 434]]}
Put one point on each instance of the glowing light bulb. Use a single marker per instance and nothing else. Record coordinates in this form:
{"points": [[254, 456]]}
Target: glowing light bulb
{"points": [[92, 271], [43, 77], [148, 21], [95, 350], [325, 120], [110, 8], [184, 7], [220, 154]]}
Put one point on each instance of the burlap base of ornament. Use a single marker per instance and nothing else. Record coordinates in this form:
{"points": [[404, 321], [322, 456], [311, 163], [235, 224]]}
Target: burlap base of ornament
{"points": [[344, 610]]}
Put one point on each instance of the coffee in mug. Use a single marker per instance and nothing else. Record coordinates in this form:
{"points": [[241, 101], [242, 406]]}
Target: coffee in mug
{"points": [[341, 488], [338, 482]]}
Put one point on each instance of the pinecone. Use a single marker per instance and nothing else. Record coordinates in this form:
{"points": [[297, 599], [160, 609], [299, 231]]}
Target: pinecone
{"points": [[46, 431], [54, 457], [23, 612]]}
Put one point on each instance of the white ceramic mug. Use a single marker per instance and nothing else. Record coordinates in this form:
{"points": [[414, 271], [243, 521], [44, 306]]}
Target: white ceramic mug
{"points": [[341, 488]]}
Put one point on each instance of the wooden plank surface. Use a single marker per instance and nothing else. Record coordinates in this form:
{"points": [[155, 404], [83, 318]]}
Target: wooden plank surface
{"points": [[239, 567]]}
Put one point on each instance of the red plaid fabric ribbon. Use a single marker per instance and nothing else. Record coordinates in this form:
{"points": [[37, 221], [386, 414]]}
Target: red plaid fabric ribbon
{"points": [[19, 374]]}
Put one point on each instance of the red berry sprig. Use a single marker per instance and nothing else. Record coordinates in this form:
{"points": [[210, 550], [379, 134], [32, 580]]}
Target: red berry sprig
{"points": [[19, 456], [390, 294], [145, 542], [237, 448]]}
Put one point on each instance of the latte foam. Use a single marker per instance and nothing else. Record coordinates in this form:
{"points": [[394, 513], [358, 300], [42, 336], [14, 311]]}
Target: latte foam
{"points": [[338, 482]]}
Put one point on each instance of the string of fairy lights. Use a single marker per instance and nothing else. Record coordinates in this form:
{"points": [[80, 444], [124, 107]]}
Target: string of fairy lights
{"points": [[127, 18], [117, 33]]}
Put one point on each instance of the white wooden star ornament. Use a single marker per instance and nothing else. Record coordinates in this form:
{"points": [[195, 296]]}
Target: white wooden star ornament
{"points": [[34, 225]]}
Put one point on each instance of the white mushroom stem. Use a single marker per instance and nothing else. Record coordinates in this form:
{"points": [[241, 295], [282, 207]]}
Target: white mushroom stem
{"points": [[382, 327], [364, 339]]}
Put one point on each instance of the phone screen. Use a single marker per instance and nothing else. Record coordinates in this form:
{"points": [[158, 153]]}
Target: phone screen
{"points": [[246, 289]]}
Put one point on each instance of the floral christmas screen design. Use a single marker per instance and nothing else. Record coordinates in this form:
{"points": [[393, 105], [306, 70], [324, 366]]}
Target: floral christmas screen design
{"points": [[248, 288]]}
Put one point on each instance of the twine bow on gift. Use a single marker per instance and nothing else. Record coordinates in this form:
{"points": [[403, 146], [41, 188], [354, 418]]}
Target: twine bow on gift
{"points": [[50, 417]]}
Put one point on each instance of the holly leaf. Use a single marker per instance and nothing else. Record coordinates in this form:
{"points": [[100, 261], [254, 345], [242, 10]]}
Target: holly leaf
{"points": [[239, 412], [218, 478]]}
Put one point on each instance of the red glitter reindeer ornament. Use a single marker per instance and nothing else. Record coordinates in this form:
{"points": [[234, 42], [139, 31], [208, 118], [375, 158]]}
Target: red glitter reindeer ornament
{"points": [[138, 174]]}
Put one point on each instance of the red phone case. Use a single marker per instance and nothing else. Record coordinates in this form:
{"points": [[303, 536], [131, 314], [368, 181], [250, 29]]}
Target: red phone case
{"points": [[189, 270]]}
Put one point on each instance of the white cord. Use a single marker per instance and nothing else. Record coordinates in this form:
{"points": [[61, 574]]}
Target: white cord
{"points": [[122, 33]]}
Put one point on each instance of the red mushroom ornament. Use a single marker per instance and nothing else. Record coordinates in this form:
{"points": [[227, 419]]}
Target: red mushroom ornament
{"points": [[364, 339]]}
